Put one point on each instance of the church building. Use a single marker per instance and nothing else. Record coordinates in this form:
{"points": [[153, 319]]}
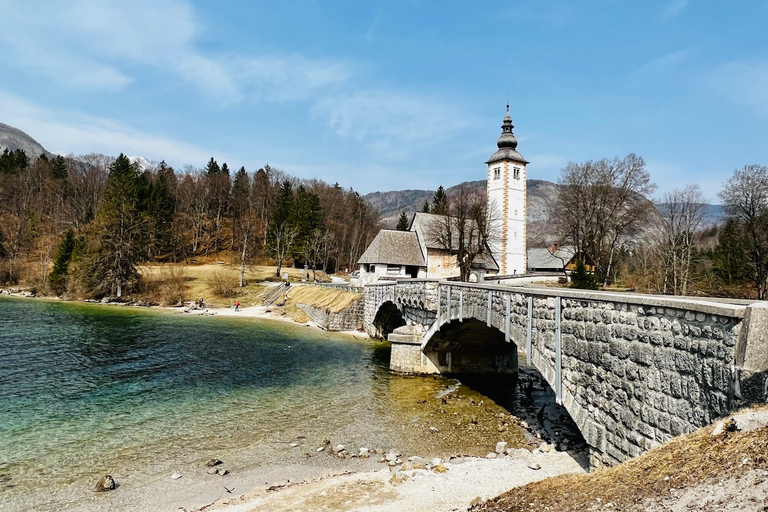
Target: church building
{"points": [[507, 201], [415, 253]]}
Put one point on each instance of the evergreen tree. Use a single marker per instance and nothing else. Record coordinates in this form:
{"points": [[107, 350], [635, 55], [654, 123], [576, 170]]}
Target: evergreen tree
{"points": [[439, 202], [13, 161], [282, 228], [402, 222], [118, 235], [212, 169], [308, 218], [580, 278], [730, 256], [58, 276], [425, 208], [58, 169], [161, 211]]}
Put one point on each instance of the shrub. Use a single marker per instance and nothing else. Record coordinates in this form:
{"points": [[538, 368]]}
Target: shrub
{"points": [[224, 284]]}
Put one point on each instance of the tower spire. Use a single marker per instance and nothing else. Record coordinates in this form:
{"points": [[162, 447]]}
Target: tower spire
{"points": [[507, 139]]}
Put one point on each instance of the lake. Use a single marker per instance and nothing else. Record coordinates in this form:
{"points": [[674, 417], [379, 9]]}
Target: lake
{"points": [[89, 389]]}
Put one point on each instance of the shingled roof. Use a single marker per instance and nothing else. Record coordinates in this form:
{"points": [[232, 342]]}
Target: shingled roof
{"points": [[545, 259], [394, 248]]}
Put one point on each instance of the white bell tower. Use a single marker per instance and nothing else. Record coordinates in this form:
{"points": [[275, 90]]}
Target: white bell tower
{"points": [[507, 202]]}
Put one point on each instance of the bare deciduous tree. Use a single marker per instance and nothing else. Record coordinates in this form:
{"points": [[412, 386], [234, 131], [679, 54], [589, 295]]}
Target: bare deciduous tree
{"points": [[601, 207], [681, 212], [467, 230], [745, 199]]}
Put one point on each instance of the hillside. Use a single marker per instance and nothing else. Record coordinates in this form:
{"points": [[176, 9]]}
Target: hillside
{"points": [[542, 200], [718, 468], [12, 139]]}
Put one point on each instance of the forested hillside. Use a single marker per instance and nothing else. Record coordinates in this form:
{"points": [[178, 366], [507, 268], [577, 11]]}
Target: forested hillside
{"points": [[79, 225]]}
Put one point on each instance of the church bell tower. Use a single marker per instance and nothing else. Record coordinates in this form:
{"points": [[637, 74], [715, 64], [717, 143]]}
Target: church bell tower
{"points": [[507, 202]]}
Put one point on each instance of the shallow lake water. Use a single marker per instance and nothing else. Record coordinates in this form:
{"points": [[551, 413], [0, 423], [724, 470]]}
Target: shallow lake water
{"points": [[87, 390]]}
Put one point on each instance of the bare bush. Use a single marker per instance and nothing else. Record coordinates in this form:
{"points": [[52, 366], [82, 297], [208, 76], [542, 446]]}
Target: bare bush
{"points": [[173, 286], [224, 284]]}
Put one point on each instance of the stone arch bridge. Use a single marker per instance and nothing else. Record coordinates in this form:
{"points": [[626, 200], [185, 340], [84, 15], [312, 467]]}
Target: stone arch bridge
{"points": [[632, 370]]}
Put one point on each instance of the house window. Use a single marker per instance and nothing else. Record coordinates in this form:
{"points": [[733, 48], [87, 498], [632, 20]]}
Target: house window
{"points": [[393, 269], [517, 173], [497, 173]]}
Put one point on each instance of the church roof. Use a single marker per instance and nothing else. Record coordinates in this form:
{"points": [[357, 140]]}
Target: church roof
{"points": [[394, 248], [546, 259], [507, 144]]}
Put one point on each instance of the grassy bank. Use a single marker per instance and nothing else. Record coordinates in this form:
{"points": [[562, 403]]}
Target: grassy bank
{"points": [[699, 471]]}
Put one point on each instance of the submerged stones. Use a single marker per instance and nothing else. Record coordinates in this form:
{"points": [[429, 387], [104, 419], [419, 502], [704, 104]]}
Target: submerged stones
{"points": [[105, 483]]}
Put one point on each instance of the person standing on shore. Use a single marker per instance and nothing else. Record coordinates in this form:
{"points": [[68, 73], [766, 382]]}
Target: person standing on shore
{"points": [[237, 305]]}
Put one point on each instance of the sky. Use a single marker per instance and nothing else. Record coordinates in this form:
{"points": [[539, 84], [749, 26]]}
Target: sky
{"points": [[391, 95]]}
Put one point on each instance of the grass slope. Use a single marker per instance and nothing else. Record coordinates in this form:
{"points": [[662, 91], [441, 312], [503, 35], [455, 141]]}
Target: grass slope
{"points": [[733, 463]]}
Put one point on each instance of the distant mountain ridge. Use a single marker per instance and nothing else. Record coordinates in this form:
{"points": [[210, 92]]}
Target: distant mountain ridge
{"points": [[542, 200], [12, 139]]}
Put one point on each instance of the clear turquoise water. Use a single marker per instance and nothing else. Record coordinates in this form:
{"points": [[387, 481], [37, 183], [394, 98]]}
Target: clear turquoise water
{"points": [[89, 389]]}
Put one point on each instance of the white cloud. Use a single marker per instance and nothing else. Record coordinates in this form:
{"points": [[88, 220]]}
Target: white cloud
{"points": [[745, 83], [74, 132], [92, 45], [105, 46], [662, 66], [391, 124], [673, 9]]}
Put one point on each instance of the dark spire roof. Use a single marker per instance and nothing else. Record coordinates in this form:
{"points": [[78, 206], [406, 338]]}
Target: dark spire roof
{"points": [[507, 143]]}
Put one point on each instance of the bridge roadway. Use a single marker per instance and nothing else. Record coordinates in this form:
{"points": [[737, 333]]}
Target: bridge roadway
{"points": [[632, 370]]}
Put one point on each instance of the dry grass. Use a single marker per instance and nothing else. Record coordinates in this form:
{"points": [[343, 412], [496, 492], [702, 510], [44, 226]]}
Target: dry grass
{"points": [[201, 282], [331, 299], [685, 461], [218, 285]]}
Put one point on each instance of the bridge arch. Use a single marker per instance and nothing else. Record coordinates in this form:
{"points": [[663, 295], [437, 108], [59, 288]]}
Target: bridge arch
{"points": [[388, 318], [632, 371], [470, 346]]}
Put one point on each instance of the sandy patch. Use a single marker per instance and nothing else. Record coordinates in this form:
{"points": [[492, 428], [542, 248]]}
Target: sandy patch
{"points": [[466, 481]]}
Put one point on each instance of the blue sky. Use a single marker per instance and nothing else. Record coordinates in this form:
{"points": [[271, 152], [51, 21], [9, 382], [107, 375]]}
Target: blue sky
{"points": [[393, 95]]}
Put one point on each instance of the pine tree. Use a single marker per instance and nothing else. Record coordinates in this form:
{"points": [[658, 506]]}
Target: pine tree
{"points": [[212, 169], [161, 211], [282, 228], [308, 218], [425, 208], [439, 202], [58, 169], [117, 241], [580, 278], [402, 222], [58, 276]]}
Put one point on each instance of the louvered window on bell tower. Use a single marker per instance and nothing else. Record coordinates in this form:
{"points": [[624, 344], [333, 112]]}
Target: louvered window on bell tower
{"points": [[497, 173], [517, 173]]}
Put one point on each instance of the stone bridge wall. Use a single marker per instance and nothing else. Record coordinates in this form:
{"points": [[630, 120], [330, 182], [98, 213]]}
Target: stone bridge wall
{"points": [[416, 299], [633, 371]]}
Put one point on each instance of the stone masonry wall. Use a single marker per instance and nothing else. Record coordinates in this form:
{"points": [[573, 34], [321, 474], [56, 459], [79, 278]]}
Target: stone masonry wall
{"points": [[415, 299], [633, 376], [635, 371], [350, 319]]}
